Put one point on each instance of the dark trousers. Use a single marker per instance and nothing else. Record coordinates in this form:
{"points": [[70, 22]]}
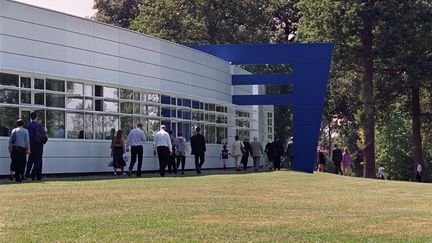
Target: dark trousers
{"points": [[182, 159], [244, 160], [172, 167], [34, 164], [199, 161], [337, 167], [136, 151], [418, 177], [164, 156], [18, 162], [277, 162]]}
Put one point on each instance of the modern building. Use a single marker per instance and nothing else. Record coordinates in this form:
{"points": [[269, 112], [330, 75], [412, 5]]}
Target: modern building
{"points": [[86, 78]]}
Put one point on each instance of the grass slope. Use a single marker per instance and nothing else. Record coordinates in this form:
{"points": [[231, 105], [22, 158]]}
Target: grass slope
{"points": [[275, 206]]}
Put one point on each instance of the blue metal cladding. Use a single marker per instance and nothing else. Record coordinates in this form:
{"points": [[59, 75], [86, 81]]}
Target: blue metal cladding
{"points": [[311, 68]]}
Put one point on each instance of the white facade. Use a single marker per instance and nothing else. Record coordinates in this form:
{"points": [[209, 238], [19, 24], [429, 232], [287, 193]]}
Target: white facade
{"points": [[78, 62]]}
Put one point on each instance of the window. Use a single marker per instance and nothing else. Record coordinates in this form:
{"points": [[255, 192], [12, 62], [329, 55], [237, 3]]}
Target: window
{"points": [[55, 85], [55, 100], [185, 102], [154, 98], [9, 79], [185, 128], [152, 128], [110, 124], [39, 83], [136, 109], [270, 130], [25, 82], [126, 94], [39, 99], [75, 125], [111, 93], [195, 104], [9, 96], [126, 107], [152, 110], [269, 114], [25, 97], [221, 133], [74, 103], [88, 90], [88, 126], [165, 99], [270, 122], [74, 88], [8, 117], [173, 101], [55, 123], [184, 114], [126, 124], [197, 116], [210, 133], [110, 106], [88, 104], [165, 112], [137, 96]]}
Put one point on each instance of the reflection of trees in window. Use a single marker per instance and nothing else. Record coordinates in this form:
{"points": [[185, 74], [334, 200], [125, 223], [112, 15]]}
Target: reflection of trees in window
{"points": [[242, 133], [152, 128], [126, 124], [39, 83], [55, 100], [88, 126], [152, 110], [25, 82], [25, 97], [197, 116], [111, 93], [185, 127], [137, 96], [210, 133], [126, 94], [55, 85], [55, 122], [109, 123], [154, 98], [75, 125], [9, 79], [88, 90], [221, 133], [110, 106], [126, 107], [74, 88], [39, 99], [99, 128], [88, 104], [9, 96], [74, 103], [8, 117], [136, 108]]}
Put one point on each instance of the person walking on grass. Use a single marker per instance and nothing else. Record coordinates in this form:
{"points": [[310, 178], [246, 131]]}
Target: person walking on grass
{"points": [[118, 148], [245, 157], [180, 148], [321, 157], [237, 152], [278, 151], [198, 149], [270, 154], [172, 167], [38, 138], [163, 148], [19, 147], [135, 140], [224, 155], [256, 152], [419, 171], [337, 159], [346, 162]]}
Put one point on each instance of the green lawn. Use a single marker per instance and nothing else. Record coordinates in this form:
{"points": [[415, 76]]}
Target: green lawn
{"points": [[270, 206]]}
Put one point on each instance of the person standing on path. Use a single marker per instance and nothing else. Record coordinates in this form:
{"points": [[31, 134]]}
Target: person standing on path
{"points": [[245, 157], [118, 148], [237, 152], [346, 162], [135, 140], [198, 149], [337, 159], [278, 150], [270, 154], [172, 161], [180, 150], [256, 152], [163, 147]]}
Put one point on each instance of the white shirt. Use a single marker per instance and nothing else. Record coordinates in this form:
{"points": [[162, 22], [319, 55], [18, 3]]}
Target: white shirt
{"points": [[162, 138], [419, 168], [136, 137]]}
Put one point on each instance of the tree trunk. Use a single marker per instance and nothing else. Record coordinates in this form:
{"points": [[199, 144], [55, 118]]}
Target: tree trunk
{"points": [[416, 126], [366, 37]]}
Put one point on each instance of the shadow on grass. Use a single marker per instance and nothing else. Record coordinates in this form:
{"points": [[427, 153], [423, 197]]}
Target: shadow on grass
{"points": [[147, 174]]}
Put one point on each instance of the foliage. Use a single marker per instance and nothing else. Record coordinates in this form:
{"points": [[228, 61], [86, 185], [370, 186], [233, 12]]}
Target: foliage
{"points": [[116, 12]]}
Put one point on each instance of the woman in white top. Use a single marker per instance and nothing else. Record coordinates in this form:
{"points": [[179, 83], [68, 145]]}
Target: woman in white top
{"points": [[237, 152]]}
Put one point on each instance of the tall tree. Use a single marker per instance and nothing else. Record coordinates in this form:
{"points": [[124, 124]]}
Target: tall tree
{"points": [[116, 12]]}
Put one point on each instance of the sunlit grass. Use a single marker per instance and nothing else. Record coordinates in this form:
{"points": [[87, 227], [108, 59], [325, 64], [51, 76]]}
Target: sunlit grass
{"points": [[274, 206]]}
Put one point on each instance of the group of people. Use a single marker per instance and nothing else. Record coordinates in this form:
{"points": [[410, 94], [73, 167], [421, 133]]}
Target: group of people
{"points": [[341, 159], [27, 141]]}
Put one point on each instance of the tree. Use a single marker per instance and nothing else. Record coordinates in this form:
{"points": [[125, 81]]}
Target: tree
{"points": [[116, 12]]}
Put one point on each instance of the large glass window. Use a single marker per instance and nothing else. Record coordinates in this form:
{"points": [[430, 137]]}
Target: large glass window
{"points": [[165, 99], [126, 107], [88, 104], [88, 90], [126, 124], [9, 79], [126, 94], [9, 96], [152, 128], [111, 123], [111, 93], [55, 122], [39, 83], [152, 110], [55, 100], [39, 98], [222, 135], [154, 98], [136, 108], [74, 103], [25, 82], [25, 97], [75, 125], [74, 88], [8, 117], [210, 133], [55, 85], [165, 112], [98, 126], [185, 128], [88, 126], [195, 104], [110, 106]]}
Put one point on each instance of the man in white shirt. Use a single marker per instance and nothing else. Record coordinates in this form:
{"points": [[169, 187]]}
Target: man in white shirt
{"points": [[419, 172], [162, 144], [135, 140]]}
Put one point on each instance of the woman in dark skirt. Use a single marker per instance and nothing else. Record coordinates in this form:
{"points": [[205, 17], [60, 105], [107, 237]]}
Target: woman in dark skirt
{"points": [[118, 148], [321, 157]]}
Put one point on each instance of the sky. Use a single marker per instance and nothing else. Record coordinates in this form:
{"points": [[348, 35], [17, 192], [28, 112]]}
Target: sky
{"points": [[82, 8]]}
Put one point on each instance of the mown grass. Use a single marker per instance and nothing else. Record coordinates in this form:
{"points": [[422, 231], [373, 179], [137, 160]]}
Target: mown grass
{"points": [[275, 206]]}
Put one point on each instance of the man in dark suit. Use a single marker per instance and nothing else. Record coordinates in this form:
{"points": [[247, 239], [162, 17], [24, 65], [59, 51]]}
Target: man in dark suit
{"points": [[278, 150], [337, 159], [198, 149]]}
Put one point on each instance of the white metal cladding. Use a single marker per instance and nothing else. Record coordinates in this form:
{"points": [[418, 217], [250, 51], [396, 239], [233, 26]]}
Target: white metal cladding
{"points": [[41, 41]]}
